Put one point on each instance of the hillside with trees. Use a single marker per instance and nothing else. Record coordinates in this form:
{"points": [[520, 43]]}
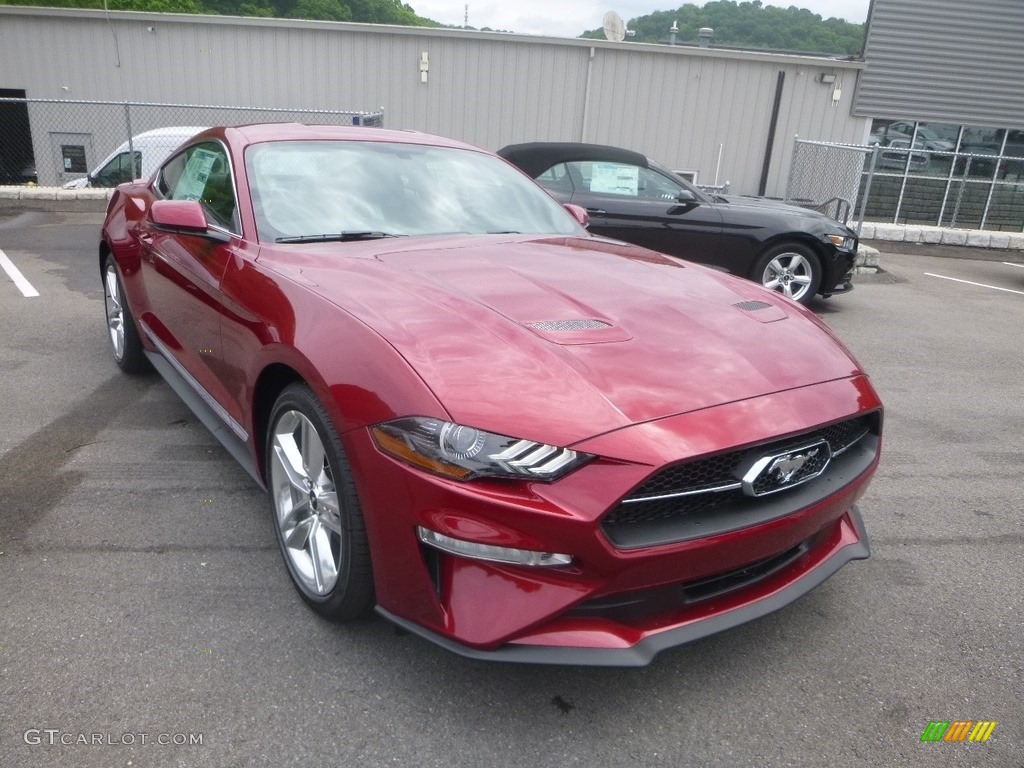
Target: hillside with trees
{"points": [[368, 11], [749, 25], [741, 25]]}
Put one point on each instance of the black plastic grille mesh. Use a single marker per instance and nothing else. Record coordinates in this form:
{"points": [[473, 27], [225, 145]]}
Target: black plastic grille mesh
{"points": [[718, 470]]}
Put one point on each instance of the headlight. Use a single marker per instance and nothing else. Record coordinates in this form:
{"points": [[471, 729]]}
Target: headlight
{"points": [[464, 453], [842, 242]]}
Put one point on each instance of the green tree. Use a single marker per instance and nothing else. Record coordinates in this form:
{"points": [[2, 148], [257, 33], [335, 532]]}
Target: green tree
{"points": [[322, 10], [748, 25], [368, 11]]}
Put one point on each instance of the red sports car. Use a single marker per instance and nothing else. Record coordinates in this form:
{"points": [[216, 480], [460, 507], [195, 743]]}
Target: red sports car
{"points": [[512, 438]]}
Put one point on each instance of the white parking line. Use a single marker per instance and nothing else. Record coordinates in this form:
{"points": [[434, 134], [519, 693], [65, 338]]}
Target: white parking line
{"points": [[19, 279], [980, 285], [1012, 264]]}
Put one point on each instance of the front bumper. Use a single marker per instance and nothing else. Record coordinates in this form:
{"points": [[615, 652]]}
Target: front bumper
{"points": [[848, 542], [616, 604], [842, 269]]}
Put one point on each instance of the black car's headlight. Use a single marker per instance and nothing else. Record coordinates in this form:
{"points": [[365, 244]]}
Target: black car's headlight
{"points": [[842, 242], [463, 453]]}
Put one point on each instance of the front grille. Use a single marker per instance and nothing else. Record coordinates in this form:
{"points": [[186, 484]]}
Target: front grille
{"points": [[700, 497]]}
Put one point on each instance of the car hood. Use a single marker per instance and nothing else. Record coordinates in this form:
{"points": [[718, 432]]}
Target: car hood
{"points": [[777, 206], [562, 339]]}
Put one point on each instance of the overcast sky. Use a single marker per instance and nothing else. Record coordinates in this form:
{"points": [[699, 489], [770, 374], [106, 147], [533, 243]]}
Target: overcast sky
{"points": [[570, 18]]}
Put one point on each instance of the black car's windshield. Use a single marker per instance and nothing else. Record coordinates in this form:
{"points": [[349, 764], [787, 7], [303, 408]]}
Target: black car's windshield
{"points": [[305, 190]]}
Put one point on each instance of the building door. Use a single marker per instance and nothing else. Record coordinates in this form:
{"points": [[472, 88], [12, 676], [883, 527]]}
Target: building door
{"points": [[17, 161]]}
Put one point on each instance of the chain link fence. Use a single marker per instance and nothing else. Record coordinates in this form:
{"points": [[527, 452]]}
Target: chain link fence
{"points": [[53, 142], [899, 185], [826, 177]]}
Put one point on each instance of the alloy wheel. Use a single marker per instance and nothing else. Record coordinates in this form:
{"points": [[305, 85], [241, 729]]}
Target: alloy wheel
{"points": [[306, 503], [115, 312], [790, 274]]}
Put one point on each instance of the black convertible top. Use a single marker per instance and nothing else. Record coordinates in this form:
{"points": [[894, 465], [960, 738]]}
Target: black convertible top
{"points": [[536, 157]]}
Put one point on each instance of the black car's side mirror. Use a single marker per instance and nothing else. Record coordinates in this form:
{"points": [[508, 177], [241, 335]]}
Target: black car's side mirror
{"points": [[686, 196]]}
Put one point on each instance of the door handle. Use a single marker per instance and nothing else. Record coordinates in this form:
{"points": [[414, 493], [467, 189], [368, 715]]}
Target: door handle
{"points": [[596, 211]]}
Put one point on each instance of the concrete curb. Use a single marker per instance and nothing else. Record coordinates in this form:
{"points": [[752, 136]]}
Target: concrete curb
{"points": [[867, 262], [55, 199], [928, 235]]}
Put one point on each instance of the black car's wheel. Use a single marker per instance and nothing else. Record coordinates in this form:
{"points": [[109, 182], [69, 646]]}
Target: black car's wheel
{"points": [[317, 515], [124, 336], [790, 269]]}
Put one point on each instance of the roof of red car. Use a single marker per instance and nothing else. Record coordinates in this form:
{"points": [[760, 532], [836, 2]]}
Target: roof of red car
{"points": [[254, 134]]}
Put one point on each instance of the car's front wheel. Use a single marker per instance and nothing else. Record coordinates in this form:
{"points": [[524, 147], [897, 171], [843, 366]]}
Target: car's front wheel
{"points": [[124, 336], [317, 514], [790, 269]]}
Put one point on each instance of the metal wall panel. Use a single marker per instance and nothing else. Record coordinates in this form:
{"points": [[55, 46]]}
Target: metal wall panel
{"points": [[685, 109], [679, 105], [945, 61]]}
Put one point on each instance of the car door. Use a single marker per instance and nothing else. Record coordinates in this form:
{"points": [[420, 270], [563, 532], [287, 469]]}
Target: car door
{"points": [[182, 272], [644, 206]]}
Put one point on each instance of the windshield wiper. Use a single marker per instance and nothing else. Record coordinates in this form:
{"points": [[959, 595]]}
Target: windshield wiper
{"points": [[337, 237]]}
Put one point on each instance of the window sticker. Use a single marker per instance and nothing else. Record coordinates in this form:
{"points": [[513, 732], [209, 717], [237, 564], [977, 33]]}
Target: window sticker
{"points": [[193, 179], [615, 179]]}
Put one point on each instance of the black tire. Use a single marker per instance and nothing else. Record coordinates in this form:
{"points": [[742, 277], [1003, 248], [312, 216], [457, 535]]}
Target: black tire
{"points": [[303, 513], [121, 329], [790, 269]]}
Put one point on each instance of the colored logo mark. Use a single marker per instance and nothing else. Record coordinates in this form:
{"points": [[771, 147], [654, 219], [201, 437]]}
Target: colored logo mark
{"points": [[958, 730]]}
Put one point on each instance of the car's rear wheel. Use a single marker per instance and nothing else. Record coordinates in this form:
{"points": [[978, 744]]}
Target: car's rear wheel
{"points": [[317, 514], [791, 269], [124, 336]]}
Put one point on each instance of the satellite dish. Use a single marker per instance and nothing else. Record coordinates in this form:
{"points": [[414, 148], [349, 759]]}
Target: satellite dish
{"points": [[614, 27]]}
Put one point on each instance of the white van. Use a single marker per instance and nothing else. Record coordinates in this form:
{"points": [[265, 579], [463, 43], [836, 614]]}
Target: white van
{"points": [[150, 149]]}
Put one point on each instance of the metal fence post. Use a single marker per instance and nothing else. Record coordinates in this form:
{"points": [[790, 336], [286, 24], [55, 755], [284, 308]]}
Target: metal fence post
{"points": [[792, 166], [128, 127], [867, 189], [960, 192]]}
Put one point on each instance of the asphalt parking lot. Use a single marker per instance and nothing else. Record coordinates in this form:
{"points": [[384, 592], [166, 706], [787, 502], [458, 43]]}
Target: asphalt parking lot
{"points": [[143, 599]]}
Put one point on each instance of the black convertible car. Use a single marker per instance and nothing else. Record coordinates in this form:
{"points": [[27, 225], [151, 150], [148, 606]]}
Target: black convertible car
{"points": [[795, 251]]}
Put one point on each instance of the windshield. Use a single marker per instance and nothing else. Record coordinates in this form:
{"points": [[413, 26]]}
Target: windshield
{"points": [[303, 189]]}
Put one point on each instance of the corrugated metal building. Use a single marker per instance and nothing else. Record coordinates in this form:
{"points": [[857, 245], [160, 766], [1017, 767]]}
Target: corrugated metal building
{"points": [[707, 111], [945, 61]]}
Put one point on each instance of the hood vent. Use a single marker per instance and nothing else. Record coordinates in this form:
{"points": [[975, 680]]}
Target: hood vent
{"points": [[752, 306], [578, 330], [566, 326]]}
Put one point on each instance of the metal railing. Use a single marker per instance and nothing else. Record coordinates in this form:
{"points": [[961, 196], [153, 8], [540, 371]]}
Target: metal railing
{"points": [[53, 141], [900, 185]]}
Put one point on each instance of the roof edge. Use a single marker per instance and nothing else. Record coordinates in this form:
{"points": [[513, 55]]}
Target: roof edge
{"points": [[392, 29]]}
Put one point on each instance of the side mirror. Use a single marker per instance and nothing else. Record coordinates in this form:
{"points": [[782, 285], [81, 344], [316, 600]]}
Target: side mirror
{"points": [[579, 213], [686, 196], [185, 217]]}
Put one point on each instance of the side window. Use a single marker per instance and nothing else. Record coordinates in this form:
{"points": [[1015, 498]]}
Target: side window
{"points": [[655, 186], [169, 175], [557, 179], [119, 170], [202, 173], [624, 180]]}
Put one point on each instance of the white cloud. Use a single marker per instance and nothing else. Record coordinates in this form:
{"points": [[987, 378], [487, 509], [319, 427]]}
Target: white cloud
{"points": [[570, 18]]}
